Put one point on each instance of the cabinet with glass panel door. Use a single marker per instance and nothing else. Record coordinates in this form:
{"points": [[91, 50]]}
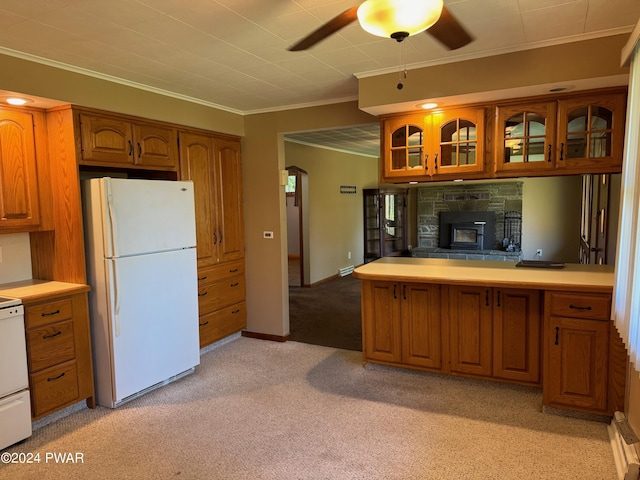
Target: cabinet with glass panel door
{"points": [[591, 133], [443, 144], [525, 138]]}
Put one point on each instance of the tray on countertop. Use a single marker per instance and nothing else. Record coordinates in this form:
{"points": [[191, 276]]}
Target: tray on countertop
{"points": [[539, 264]]}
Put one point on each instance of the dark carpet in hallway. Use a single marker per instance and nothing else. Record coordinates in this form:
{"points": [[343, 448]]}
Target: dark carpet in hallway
{"points": [[327, 314]]}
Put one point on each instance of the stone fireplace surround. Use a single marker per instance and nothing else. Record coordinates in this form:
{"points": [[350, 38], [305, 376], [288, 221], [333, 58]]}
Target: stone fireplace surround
{"points": [[499, 197]]}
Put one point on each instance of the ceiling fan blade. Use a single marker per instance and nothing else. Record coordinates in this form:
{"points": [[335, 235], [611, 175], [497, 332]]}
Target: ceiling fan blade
{"points": [[448, 31], [329, 28]]}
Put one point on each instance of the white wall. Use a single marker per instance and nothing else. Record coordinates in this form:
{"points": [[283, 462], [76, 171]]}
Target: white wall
{"points": [[551, 218], [335, 219], [15, 261]]}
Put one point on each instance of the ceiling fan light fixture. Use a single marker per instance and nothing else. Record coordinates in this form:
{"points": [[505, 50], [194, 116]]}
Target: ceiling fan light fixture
{"points": [[385, 18]]}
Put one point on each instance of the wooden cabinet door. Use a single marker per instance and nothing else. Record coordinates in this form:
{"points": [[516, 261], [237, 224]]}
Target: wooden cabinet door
{"points": [[403, 147], [229, 200], [591, 133], [516, 334], [456, 142], [575, 372], [381, 321], [421, 330], [106, 140], [196, 164], [155, 146], [471, 330], [525, 138], [19, 202]]}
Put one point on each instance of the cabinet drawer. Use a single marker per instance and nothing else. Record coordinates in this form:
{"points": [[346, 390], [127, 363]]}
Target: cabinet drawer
{"points": [[217, 295], [50, 312], [566, 304], [217, 272], [53, 388], [222, 323], [51, 344]]}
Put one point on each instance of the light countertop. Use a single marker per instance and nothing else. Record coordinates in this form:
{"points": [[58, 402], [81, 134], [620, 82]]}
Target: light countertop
{"points": [[35, 289], [573, 276]]}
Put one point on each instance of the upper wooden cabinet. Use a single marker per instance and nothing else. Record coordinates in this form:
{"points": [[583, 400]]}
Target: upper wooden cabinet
{"points": [[445, 144], [525, 137], [552, 135], [213, 165], [591, 133], [113, 141], [19, 200]]}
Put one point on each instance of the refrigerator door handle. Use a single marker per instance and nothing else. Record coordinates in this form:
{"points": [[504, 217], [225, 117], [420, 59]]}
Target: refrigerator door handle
{"points": [[112, 221], [116, 301]]}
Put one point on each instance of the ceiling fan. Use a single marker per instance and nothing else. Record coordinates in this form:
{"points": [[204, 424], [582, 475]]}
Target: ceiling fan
{"points": [[397, 19]]}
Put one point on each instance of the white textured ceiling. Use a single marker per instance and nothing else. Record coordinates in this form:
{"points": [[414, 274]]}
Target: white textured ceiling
{"points": [[233, 53]]}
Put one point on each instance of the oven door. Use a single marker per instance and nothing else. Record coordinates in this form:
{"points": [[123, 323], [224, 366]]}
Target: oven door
{"points": [[15, 418], [13, 351]]}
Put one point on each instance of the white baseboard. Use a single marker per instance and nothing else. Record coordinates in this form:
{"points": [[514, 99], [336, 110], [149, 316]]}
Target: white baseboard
{"points": [[625, 456]]}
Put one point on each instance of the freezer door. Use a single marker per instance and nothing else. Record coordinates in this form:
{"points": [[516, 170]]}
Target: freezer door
{"points": [[154, 329], [145, 216]]}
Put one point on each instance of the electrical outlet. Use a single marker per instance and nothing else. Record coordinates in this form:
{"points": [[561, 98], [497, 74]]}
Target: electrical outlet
{"points": [[539, 253], [268, 235]]}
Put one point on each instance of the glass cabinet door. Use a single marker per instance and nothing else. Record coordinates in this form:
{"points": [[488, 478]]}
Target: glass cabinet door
{"points": [[393, 223], [403, 155], [385, 223], [525, 136], [372, 245], [590, 131], [457, 142]]}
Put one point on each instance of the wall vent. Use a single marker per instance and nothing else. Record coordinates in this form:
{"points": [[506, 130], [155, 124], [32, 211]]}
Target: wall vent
{"points": [[344, 271]]}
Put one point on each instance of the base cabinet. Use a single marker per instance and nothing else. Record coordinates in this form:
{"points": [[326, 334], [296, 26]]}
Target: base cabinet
{"points": [[58, 353], [576, 351], [401, 324], [495, 332]]}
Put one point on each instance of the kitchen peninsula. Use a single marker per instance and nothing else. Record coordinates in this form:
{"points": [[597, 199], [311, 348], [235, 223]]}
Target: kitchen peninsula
{"points": [[544, 327]]}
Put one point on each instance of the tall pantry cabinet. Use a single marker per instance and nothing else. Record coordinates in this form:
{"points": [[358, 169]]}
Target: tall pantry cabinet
{"points": [[213, 164]]}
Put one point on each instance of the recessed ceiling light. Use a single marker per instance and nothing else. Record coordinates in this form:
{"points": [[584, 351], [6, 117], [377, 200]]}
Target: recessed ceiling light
{"points": [[428, 105], [17, 100], [560, 89]]}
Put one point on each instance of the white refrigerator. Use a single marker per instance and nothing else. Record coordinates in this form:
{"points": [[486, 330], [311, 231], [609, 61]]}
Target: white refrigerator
{"points": [[141, 265]]}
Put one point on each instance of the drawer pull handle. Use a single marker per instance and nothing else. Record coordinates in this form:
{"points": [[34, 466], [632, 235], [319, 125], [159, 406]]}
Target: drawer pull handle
{"points": [[44, 337], [234, 284], [577, 307], [205, 323], [557, 334], [233, 271], [202, 294], [48, 314], [202, 278], [236, 311], [51, 379]]}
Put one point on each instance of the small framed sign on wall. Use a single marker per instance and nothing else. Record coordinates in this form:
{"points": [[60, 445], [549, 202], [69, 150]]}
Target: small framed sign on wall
{"points": [[347, 189]]}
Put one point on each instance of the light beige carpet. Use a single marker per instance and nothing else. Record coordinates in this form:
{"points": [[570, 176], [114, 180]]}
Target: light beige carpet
{"points": [[263, 410]]}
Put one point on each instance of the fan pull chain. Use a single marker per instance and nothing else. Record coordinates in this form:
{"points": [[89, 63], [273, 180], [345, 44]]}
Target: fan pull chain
{"points": [[402, 69]]}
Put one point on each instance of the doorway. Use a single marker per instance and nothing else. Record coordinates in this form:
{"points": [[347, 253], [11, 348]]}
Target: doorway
{"points": [[297, 227]]}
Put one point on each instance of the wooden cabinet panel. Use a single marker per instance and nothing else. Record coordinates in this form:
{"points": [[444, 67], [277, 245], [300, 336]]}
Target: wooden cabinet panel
{"points": [[155, 146], [381, 321], [48, 312], [214, 296], [576, 363], [196, 159], [50, 344], [106, 140], [222, 323], [517, 323], [19, 201], [421, 325], [470, 317], [229, 200], [567, 304], [53, 387]]}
